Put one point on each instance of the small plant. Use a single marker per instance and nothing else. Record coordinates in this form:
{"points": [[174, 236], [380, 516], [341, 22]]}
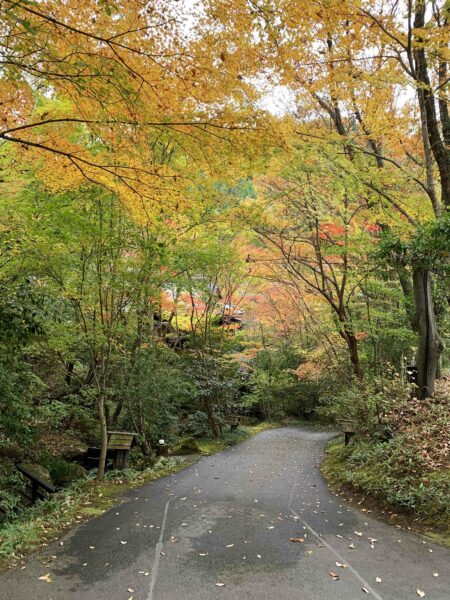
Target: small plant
{"points": [[62, 471]]}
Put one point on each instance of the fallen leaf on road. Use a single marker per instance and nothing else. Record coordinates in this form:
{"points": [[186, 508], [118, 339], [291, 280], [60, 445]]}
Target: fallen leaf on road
{"points": [[46, 578], [298, 540], [420, 593]]}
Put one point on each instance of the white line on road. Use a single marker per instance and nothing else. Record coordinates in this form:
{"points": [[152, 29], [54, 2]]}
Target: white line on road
{"points": [[354, 572], [158, 548]]}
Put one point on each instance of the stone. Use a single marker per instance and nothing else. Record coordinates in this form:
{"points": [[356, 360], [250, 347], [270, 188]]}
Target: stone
{"points": [[187, 445]]}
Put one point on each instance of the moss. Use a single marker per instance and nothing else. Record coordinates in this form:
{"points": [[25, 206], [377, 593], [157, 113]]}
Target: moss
{"points": [[187, 445]]}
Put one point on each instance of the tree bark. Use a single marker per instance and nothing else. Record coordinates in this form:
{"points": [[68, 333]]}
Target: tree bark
{"points": [[213, 423], [104, 435], [440, 151], [352, 345], [404, 278], [430, 344]]}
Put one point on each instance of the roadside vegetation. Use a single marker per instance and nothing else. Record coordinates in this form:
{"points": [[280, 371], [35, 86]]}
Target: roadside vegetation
{"points": [[400, 468]]}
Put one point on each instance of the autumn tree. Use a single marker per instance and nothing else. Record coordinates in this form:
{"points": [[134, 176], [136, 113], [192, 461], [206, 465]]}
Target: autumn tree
{"points": [[344, 64]]}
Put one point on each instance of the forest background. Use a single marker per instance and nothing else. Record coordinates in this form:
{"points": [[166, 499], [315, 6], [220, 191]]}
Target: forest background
{"points": [[176, 249]]}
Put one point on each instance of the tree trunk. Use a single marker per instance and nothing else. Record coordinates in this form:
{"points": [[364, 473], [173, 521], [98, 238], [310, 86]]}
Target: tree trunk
{"points": [[104, 435], [430, 344], [213, 423], [352, 344], [404, 278], [441, 151]]}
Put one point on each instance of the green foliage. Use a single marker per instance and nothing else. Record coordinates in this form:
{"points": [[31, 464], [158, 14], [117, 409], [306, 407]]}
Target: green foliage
{"points": [[364, 403], [196, 425], [428, 248], [158, 386], [11, 485], [275, 389], [395, 473], [62, 471], [17, 388]]}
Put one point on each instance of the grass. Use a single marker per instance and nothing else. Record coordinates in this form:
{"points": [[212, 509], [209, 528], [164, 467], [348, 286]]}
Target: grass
{"points": [[48, 520], [231, 438], [390, 479]]}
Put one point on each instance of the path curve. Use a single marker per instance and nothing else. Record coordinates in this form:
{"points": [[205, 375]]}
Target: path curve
{"points": [[228, 519]]}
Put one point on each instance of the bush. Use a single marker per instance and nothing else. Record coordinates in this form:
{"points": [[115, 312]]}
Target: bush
{"points": [[395, 473], [11, 485], [61, 471], [196, 425], [365, 404]]}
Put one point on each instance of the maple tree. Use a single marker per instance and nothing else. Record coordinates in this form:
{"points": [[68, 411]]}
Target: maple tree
{"points": [[114, 93], [149, 193], [345, 64]]}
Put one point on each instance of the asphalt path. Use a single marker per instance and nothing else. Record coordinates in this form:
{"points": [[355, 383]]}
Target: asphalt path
{"points": [[229, 520]]}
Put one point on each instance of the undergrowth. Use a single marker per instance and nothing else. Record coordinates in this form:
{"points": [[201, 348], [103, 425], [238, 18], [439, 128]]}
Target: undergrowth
{"points": [[394, 473]]}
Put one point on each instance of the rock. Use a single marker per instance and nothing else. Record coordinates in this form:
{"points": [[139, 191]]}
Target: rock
{"points": [[39, 470], [11, 451], [187, 445], [72, 452]]}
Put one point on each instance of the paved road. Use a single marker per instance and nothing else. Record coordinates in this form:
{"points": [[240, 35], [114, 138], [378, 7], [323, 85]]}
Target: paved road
{"points": [[228, 519]]}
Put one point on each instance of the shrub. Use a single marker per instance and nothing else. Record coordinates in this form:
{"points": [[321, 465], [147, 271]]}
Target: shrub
{"points": [[11, 486], [394, 472], [62, 471]]}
